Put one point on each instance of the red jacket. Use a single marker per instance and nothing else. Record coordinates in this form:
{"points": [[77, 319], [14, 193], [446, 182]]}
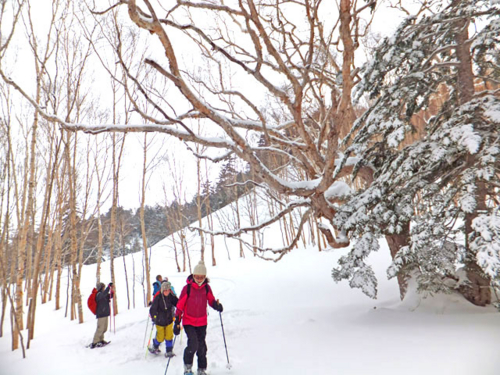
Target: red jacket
{"points": [[193, 308]]}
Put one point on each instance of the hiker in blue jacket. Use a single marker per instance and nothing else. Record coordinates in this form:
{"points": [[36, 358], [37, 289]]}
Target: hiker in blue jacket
{"points": [[157, 285]]}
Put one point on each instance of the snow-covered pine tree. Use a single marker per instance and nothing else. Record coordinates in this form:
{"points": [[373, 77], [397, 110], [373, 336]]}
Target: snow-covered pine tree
{"points": [[440, 193]]}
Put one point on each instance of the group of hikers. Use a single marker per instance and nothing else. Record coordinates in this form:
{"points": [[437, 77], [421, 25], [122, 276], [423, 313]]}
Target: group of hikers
{"points": [[167, 312]]}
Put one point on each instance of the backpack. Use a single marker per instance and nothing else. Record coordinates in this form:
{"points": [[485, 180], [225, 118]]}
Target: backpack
{"points": [[92, 304], [188, 291], [156, 288]]}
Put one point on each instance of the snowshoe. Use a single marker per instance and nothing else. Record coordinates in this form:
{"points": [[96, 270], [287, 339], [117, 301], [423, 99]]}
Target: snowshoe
{"points": [[154, 350], [169, 354], [188, 370], [99, 344]]}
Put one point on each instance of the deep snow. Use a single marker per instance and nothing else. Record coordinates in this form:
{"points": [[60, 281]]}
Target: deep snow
{"points": [[279, 318]]}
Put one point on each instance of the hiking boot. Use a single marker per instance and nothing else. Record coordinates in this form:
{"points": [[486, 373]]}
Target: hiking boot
{"points": [[170, 352], [202, 371], [188, 370]]}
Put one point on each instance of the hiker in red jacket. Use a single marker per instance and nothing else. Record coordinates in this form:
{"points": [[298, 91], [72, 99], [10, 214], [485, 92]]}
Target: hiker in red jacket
{"points": [[192, 310]]}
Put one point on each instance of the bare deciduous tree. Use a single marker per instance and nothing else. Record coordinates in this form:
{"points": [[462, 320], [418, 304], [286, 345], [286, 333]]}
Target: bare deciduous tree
{"points": [[296, 67], [300, 69], [275, 91]]}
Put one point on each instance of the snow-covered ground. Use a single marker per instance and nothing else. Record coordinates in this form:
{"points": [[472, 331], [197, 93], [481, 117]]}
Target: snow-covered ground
{"points": [[279, 318]]}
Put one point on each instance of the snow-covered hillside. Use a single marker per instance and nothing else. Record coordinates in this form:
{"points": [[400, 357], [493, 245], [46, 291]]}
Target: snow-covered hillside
{"points": [[279, 318]]}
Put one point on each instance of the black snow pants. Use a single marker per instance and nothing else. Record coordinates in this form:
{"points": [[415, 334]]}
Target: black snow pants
{"points": [[196, 344]]}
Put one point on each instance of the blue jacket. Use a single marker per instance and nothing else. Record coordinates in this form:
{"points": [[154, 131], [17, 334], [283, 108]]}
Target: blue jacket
{"points": [[156, 287]]}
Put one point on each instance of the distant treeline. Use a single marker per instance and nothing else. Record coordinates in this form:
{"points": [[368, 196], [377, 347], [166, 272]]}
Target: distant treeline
{"points": [[160, 221]]}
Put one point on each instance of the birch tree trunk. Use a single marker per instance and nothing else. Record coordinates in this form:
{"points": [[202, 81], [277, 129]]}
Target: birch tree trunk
{"points": [[171, 226], [210, 219], [23, 233], [101, 174], [123, 234], [116, 175], [47, 275], [57, 265], [143, 224], [4, 227], [76, 300], [6, 178], [53, 164], [198, 208]]}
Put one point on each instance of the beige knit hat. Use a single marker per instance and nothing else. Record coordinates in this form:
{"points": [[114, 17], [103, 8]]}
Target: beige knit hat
{"points": [[200, 269]]}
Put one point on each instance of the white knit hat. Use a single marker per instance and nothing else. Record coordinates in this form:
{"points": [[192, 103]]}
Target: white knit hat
{"points": [[200, 269]]}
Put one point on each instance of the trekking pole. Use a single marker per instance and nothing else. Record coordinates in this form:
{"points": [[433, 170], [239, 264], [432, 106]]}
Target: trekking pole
{"points": [[146, 331], [110, 317], [169, 358], [114, 322], [224, 336], [149, 342]]}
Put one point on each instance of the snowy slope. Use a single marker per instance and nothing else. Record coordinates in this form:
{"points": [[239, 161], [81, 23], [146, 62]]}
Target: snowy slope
{"points": [[279, 318]]}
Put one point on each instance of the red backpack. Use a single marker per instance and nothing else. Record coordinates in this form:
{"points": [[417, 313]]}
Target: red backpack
{"points": [[92, 304]]}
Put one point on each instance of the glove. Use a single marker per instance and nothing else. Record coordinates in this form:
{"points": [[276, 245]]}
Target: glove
{"points": [[177, 329], [177, 326], [153, 319], [218, 306]]}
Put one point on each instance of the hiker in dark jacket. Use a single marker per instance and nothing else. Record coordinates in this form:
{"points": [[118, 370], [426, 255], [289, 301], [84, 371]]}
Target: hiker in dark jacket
{"points": [[103, 311], [165, 280], [161, 311], [192, 309]]}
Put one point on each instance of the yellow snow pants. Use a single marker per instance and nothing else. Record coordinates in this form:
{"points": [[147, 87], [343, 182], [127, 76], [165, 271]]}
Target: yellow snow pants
{"points": [[165, 333]]}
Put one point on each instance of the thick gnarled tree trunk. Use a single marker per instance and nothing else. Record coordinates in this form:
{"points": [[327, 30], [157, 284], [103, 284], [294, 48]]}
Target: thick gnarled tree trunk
{"points": [[478, 291]]}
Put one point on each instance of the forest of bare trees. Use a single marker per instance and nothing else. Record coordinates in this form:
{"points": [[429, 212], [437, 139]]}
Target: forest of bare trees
{"points": [[262, 92]]}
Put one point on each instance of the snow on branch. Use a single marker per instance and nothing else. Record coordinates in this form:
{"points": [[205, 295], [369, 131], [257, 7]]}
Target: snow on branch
{"points": [[354, 268], [337, 243], [486, 243]]}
